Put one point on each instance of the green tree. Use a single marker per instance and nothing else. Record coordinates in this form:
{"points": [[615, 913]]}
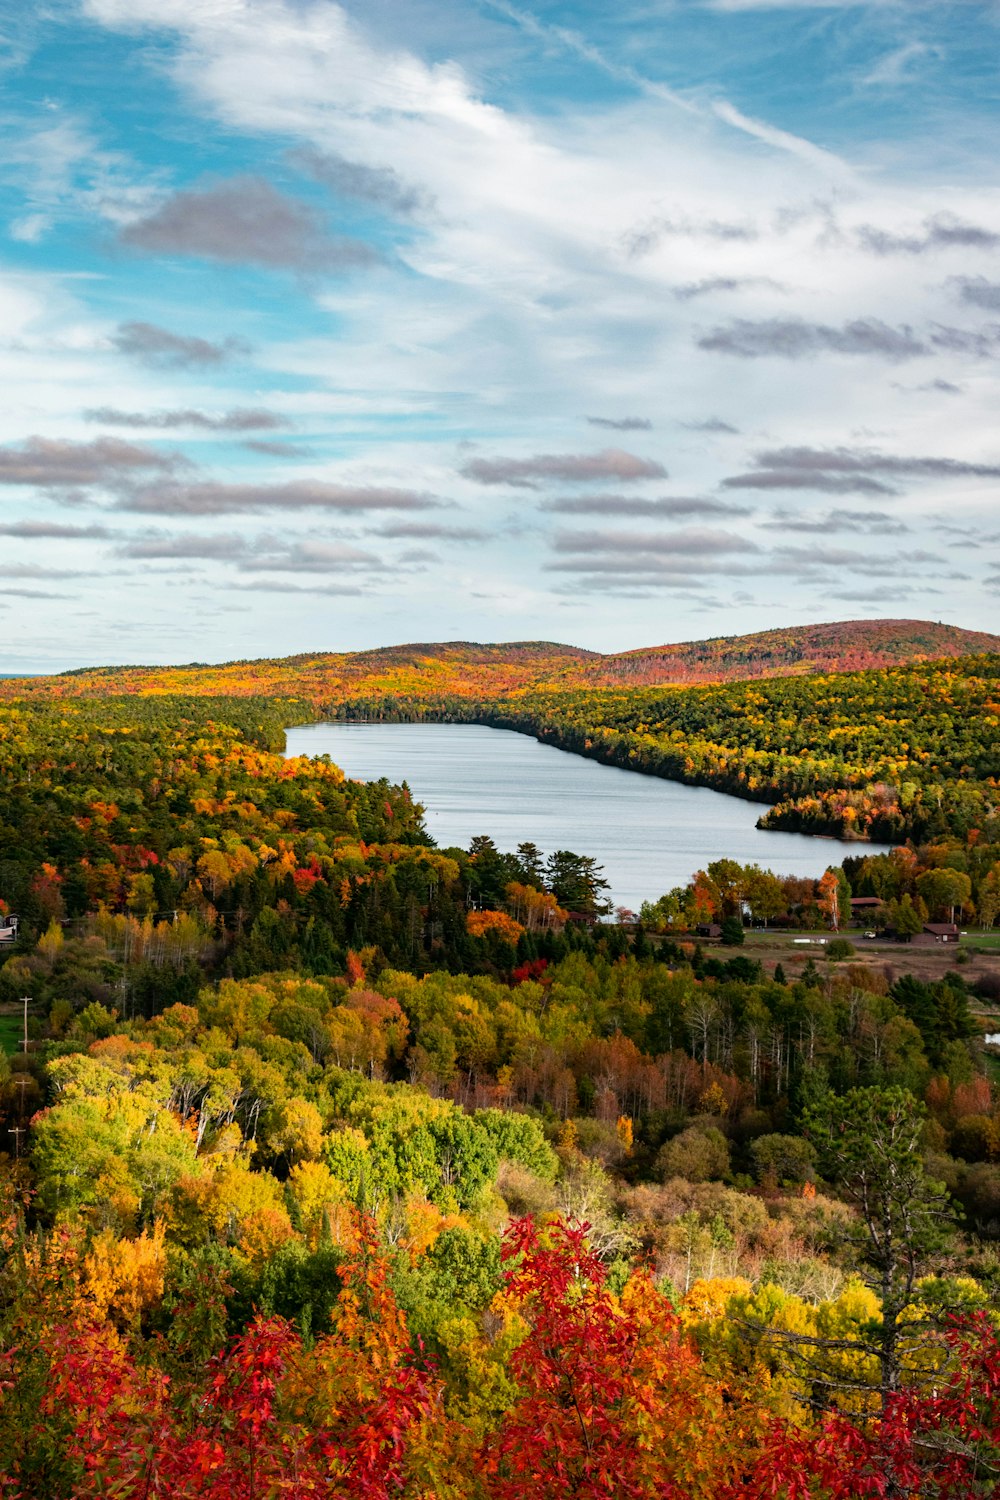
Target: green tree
{"points": [[869, 1142]]}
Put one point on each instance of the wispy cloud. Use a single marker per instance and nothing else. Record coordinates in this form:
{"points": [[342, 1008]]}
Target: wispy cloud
{"points": [[161, 348], [54, 531], [842, 470], [526, 473], [870, 522], [712, 285], [211, 498], [711, 424], [381, 186], [671, 507], [795, 338], [942, 231], [622, 424], [240, 419], [977, 291], [53, 463]]}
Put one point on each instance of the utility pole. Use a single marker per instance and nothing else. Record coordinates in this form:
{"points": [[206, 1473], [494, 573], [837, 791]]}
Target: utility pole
{"points": [[25, 1000], [17, 1131]]}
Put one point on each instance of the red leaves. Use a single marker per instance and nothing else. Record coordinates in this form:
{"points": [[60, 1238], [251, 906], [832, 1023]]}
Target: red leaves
{"points": [[942, 1444], [564, 1436], [613, 1404]]}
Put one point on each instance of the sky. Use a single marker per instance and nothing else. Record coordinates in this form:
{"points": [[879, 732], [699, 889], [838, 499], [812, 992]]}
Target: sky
{"points": [[325, 326]]}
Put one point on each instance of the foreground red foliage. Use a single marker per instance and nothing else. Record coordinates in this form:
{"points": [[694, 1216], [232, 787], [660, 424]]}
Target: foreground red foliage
{"points": [[612, 1403]]}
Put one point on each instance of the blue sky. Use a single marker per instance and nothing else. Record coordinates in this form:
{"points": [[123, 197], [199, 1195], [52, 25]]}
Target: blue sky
{"points": [[325, 326]]}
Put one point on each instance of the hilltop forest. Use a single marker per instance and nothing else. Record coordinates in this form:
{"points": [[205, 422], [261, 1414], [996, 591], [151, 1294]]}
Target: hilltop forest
{"points": [[342, 1165]]}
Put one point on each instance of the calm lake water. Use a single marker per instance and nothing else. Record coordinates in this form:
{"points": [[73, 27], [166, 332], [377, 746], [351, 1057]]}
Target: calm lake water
{"points": [[648, 834]]}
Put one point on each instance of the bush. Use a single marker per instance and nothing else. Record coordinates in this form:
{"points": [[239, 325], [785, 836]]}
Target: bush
{"points": [[782, 1158], [839, 948], [698, 1154], [732, 934]]}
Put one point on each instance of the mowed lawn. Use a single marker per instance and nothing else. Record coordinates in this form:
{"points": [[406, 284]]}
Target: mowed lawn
{"points": [[11, 1032]]}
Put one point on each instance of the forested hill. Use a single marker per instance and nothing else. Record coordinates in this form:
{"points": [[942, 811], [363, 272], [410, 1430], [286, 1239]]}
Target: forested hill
{"points": [[470, 669], [843, 646]]}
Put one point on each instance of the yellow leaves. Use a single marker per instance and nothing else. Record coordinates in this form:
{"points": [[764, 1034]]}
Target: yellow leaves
{"points": [[483, 923], [708, 1298], [424, 1223], [124, 1278], [317, 1196]]}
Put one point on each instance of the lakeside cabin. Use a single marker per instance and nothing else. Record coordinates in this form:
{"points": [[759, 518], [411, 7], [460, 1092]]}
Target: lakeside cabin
{"points": [[936, 932]]}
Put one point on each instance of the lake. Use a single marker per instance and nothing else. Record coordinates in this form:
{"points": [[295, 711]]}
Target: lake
{"points": [[649, 835]]}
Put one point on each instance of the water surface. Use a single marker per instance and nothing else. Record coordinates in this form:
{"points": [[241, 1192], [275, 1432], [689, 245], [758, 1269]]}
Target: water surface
{"points": [[649, 835]]}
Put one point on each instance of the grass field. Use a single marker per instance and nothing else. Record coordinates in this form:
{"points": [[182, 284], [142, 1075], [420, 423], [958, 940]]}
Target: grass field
{"points": [[11, 1032]]}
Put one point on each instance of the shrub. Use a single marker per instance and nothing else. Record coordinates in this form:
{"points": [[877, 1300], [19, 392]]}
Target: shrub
{"points": [[698, 1154]]}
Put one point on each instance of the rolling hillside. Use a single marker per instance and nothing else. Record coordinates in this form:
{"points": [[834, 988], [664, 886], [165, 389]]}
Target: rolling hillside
{"points": [[470, 669]]}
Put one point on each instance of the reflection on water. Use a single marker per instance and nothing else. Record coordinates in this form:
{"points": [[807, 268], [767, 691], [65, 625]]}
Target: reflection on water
{"points": [[648, 834]]}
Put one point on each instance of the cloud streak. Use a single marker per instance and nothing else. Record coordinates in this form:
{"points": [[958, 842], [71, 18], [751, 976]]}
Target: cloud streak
{"points": [[795, 338], [672, 507], [847, 470], [380, 186], [210, 498], [942, 231], [52, 463], [161, 349], [527, 473], [240, 419], [622, 424]]}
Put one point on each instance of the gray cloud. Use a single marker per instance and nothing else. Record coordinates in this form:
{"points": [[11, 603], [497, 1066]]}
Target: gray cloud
{"points": [[282, 586], [31, 594], [380, 186], [793, 338], [940, 387], [977, 291], [980, 344], [711, 424], [37, 570], [855, 557], [711, 284], [524, 473], [622, 424], [640, 569], [941, 232], [53, 463], [696, 543], [214, 499], [222, 547], [847, 470], [647, 237], [308, 557], [245, 221], [277, 450], [240, 419], [672, 507], [871, 522], [156, 346], [41, 531], [429, 531], [260, 554]]}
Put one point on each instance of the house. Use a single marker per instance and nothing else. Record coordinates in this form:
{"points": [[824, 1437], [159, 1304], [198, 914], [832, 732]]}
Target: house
{"points": [[942, 932], [862, 905], [8, 928], [709, 930]]}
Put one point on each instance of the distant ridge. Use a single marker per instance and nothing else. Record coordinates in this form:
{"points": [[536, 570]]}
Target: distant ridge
{"points": [[843, 646], [472, 669]]}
